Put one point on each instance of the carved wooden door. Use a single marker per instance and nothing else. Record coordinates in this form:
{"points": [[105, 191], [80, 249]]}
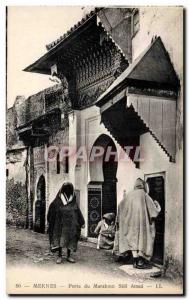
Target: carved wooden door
{"points": [[94, 209]]}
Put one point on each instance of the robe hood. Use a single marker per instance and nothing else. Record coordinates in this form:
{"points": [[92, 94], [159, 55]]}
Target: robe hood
{"points": [[140, 184], [67, 190]]}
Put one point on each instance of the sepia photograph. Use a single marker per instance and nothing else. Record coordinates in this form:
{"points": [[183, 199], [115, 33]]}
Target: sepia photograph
{"points": [[94, 150]]}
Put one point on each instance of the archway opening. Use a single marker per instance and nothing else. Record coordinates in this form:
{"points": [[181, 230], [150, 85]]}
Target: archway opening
{"points": [[40, 206], [109, 193], [102, 193]]}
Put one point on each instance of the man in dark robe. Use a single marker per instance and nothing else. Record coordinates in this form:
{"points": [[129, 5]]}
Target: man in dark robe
{"points": [[135, 226], [65, 222]]}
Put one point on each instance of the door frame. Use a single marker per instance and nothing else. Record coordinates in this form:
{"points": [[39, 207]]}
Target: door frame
{"points": [[34, 203], [163, 174]]}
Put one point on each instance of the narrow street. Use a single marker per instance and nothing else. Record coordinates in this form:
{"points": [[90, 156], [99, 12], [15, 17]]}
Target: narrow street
{"points": [[28, 254], [26, 247]]}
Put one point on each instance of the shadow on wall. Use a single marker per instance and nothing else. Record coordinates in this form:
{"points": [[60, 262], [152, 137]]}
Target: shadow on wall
{"points": [[16, 204]]}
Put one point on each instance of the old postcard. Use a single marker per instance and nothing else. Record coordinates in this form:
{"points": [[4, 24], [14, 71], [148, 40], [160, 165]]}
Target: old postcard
{"points": [[94, 158]]}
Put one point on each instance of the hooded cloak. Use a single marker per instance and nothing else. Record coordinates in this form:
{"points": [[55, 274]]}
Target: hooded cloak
{"points": [[136, 227], [65, 219]]}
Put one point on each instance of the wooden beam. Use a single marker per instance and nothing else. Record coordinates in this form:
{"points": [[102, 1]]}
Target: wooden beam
{"points": [[113, 101]]}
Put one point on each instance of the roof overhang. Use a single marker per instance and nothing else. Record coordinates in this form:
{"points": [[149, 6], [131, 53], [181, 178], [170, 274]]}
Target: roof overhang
{"points": [[152, 69], [34, 128], [16, 148], [69, 47]]}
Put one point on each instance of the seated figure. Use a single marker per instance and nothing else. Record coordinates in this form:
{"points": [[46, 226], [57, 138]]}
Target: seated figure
{"points": [[106, 231]]}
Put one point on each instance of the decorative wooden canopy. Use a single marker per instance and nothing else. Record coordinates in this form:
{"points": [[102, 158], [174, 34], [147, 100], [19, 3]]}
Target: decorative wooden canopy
{"points": [[143, 99], [90, 55], [69, 47], [152, 68], [84, 35]]}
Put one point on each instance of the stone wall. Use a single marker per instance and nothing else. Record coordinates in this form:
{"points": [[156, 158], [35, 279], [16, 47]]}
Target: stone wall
{"points": [[11, 136], [16, 188], [56, 180], [16, 203]]}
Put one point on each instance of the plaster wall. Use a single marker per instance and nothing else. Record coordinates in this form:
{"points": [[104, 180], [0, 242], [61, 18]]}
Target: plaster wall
{"points": [[156, 161]]}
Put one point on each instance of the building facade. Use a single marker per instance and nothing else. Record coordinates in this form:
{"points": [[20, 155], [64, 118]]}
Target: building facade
{"points": [[120, 96]]}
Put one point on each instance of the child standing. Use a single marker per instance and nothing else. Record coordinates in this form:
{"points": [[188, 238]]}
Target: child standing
{"points": [[65, 222]]}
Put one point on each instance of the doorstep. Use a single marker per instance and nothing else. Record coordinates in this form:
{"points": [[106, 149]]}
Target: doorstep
{"points": [[142, 273]]}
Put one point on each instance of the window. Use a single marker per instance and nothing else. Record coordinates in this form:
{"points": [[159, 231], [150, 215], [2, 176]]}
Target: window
{"points": [[66, 162], [58, 164], [135, 22]]}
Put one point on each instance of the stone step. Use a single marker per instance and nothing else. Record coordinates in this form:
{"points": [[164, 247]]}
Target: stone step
{"points": [[142, 273]]}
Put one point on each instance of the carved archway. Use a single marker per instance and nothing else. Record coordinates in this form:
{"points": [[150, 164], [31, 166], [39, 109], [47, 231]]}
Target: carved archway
{"points": [[102, 194]]}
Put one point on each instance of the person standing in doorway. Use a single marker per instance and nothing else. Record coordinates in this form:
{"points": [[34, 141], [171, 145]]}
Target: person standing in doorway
{"points": [[65, 222], [136, 225]]}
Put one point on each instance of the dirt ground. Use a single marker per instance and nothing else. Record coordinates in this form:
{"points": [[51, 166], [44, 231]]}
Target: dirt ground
{"points": [[27, 249]]}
